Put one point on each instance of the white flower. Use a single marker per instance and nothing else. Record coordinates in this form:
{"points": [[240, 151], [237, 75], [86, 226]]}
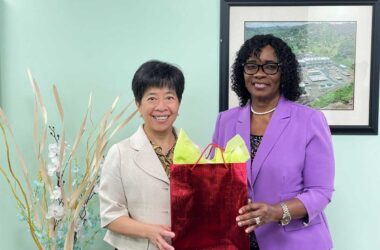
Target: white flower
{"points": [[53, 150], [56, 194], [55, 211], [55, 160], [52, 168]]}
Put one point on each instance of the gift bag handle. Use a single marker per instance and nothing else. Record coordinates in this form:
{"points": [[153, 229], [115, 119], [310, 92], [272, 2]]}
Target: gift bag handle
{"points": [[211, 146]]}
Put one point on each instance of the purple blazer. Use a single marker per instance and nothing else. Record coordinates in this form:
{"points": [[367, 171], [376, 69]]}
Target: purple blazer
{"points": [[295, 159]]}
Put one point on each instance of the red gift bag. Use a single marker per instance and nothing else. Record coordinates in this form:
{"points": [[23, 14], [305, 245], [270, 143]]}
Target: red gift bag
{"points": [[205, 200]]}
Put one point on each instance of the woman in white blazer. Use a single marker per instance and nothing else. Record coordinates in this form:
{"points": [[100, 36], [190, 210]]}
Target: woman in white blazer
{"points": [[134, 186]]}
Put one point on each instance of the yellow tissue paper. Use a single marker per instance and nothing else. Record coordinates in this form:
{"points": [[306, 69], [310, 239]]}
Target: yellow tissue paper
{"points": [[218, 158], [236, 151], [186, 152]]}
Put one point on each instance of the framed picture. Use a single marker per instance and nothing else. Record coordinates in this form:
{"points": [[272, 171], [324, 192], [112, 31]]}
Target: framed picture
{"points": [[336, 45]]}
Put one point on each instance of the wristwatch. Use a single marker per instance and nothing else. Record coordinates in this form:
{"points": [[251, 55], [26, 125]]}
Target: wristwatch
{"points": [[286, 218]]}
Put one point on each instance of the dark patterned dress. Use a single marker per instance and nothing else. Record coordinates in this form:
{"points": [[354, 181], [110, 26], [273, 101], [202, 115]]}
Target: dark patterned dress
{"points": [[165, 159], [255, 143]]}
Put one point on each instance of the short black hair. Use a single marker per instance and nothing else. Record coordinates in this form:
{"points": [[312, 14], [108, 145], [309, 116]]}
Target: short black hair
{"points": [[157, 74], [290, 72]]}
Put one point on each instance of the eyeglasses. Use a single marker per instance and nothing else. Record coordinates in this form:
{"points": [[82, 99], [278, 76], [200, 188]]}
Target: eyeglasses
{"points": [[268, 68]]}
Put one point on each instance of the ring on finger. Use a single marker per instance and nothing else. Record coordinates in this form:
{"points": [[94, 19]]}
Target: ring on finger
{"points": [[257, 220]]}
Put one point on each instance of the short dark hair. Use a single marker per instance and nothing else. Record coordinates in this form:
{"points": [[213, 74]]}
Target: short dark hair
{"points": [[290, 76], [157, 74]]}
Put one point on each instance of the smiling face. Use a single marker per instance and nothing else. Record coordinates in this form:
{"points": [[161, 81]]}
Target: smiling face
{"points": [[159, 109], [262, 86]]}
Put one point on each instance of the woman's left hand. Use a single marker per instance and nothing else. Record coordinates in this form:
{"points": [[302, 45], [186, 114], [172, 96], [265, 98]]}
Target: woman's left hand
{"points": [[257, 214]]}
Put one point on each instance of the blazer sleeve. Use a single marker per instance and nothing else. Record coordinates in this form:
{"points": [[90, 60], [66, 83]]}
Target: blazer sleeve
{"points": [[113, 203], [319, 168], [216, 137]]}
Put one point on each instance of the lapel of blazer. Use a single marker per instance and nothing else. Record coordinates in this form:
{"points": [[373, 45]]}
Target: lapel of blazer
{"points": [[146, 157], [276, 126], [243, 128]]}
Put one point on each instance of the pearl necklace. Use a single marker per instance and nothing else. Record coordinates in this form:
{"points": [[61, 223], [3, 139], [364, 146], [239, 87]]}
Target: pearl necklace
{"points": [[262, 113]]}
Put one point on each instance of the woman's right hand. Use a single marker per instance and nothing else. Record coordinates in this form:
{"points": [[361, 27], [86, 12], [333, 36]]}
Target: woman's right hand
{"points": [[159, 235]]}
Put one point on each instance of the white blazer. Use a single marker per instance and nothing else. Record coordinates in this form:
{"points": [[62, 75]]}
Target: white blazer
{"points": [[133, 183]]}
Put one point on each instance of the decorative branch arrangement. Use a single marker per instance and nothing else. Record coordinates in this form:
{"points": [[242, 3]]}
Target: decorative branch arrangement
{"points": [[58, 204]]}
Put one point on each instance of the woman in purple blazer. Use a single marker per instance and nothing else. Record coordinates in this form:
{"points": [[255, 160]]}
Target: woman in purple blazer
{"points": [[291, 170]]}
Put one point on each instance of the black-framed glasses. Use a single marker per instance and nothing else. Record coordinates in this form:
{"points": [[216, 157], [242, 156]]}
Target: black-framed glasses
{"points": [[268, 68]]}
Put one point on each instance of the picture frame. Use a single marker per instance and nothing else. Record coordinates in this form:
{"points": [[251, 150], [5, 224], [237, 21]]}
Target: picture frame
{"points": [[326, 73]]}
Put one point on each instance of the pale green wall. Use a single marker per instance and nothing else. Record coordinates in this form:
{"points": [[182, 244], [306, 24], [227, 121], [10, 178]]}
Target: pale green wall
{"points": [[94, 45]]}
